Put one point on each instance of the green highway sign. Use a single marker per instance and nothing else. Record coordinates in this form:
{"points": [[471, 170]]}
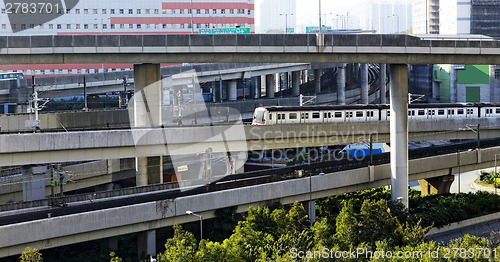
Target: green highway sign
{"points": [[311, 29], [290, 30], [225, 31]]}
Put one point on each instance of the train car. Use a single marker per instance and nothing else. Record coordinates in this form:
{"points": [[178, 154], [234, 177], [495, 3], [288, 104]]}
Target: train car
{"points": [[11, 76], [274, 115]]}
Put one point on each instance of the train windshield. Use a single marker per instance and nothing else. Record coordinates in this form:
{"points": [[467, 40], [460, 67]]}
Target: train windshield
{"points": [[259, 115]]}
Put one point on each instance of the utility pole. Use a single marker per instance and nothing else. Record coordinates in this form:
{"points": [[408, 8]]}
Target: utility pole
{"points": [[320, 27], [85, 105], [34, 107]]}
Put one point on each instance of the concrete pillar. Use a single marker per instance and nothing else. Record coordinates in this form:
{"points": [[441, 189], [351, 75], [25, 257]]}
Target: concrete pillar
{"points": [[317, 81], [383, 82], [453, 85], [341, 84], [363, 71], [310, 208], [232, 91], [258, 86], [285, 81], [270, 86], [147, 243], [295, 83], [34, 182], [436, 185], [217, 91], [492, 84], [399, 133], [108, 244], [147, 109]]}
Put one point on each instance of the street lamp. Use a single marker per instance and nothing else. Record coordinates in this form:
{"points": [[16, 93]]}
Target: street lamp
{"points": [[286, 21], [201, 222], [320, 16]]}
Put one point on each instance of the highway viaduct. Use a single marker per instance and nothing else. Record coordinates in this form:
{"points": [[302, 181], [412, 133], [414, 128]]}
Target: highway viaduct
{"points": [[149, 51], [107, 223]]}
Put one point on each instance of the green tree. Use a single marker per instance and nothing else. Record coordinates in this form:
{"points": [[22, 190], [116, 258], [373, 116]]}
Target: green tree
{"points": [[376, 223], [30, 255], [114, 257], [182, 247], [347, 233]]}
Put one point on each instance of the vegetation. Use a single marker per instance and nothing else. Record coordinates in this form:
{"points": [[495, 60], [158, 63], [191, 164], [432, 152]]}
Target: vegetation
{"points": [[77, 103], [490, 178], [31, 255]]}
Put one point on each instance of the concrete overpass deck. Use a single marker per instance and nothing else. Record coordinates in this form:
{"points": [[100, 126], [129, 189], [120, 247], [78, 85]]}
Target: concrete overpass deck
{"points": [[318, 48], [38, 148], [64, 230]]}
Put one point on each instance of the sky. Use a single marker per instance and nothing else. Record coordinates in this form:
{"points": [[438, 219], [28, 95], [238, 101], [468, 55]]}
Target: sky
{"points": [[307, 10]]}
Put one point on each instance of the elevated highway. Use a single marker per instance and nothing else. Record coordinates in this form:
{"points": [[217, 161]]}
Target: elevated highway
{"points": [[253, 48], [68, 229], [38, 148]]}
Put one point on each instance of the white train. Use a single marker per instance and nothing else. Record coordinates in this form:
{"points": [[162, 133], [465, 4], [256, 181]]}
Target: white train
{"points": [[273, 115]]}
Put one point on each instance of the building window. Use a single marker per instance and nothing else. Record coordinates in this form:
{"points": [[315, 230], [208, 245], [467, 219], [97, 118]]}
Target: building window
{"points": [[104, 11], [173, 25], [94, 11], [51, 26], [157, 26], [130, 11], [86, 26], [104, 26], [96, 26], [164, 26], [112, 11], [207, 25], [148, 26], [198, 11], [190, 11], [223, 11], [198, 25], [182, 25], [214, 11], [112, 26], [77, 11], [3, 10], [164, 11], [231, 11], [249, 12], [130, 26], [138, 11], [85, 11], [138, 26], [148, 11], [59, 26], [32, 26], [122, 26], [77, 26], [157, 11], [13, 26], [4, 26], [173, 11], [121, 11], [207, 11]]}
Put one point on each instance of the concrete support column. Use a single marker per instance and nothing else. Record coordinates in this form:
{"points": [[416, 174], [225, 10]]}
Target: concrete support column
{"points": [[217, 87], [258, 86], [383, 82], [34, 182], [317, 81], [399, 133], [436, 185], [363, 71], [232, 91], [453, 85], [341, 84], [285, 81], [147, 109], [147, 243], [270, 86], [310, 208], [492, 84], [295, 83]]}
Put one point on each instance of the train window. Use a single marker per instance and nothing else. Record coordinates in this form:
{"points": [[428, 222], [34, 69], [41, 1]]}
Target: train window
{"points": [[369, 114], [441, 112], [270, 116], [388, 113], [315, 115], [451, 112], [279, 116], [325, 115], [460, 112], [498, 110], [329, 114], [339, 114], [421, 112], [359, 113], [348, 114], [292, 116], [469, 111]]}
